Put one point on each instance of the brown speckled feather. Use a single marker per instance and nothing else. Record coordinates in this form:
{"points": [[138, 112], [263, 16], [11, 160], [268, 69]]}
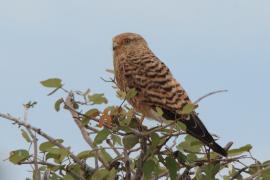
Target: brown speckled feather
{"points": [[137, 67], [141, 69]]}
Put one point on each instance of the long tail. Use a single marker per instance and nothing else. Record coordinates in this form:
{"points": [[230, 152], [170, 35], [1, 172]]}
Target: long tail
{"points": [[196, 128]]}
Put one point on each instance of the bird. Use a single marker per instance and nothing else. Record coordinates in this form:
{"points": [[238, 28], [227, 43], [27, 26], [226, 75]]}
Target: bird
{"points": [[137, 67]]}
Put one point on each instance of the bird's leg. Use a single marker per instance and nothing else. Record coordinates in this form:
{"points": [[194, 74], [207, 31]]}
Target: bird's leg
{"points": [[140, 122], [141, 119]]}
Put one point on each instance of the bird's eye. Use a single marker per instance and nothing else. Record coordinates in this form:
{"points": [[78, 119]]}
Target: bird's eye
{"points": [[127, 41]]}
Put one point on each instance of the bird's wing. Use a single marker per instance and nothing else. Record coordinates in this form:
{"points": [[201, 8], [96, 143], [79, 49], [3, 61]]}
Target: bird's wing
{"points": [[154, 82], [157, 87]]}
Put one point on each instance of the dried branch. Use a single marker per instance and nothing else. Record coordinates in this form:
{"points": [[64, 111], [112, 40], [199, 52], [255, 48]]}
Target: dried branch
{"points": [[69, 102], [17, 121]]}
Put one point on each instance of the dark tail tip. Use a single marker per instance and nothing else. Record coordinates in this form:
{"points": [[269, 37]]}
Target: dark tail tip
{"points": [[218, 149]]}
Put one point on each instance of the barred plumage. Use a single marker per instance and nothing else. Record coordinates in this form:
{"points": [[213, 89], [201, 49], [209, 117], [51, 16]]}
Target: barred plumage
{"points": [[136, 66]]}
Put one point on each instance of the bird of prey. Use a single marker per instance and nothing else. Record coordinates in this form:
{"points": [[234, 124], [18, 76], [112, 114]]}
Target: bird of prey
{"points": [[137, 67]]}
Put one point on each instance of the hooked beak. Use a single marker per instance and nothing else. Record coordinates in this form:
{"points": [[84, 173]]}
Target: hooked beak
{"points": [[115, 45]]}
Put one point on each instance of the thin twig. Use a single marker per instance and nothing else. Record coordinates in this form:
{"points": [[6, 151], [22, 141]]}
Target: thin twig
{"points": [[35, 142], [209, 94], [116, 150], [239, 173], [76, 117]]}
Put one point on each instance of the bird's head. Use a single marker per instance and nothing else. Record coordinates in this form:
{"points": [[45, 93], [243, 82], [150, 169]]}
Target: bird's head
{"points": [[128, 41]]}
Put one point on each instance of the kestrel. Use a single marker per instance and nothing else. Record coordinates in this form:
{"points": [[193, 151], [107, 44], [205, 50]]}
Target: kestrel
{"points": [[136, 66]]}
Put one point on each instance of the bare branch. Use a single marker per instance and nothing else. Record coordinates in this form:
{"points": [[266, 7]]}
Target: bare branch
{"points": [[17, 121], [35, 142], [113, 147], [76, 117], [209, 94]]}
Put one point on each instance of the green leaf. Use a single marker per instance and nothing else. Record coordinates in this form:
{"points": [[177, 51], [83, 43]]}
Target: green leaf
{"points": [[112, 174], [211, 170], [43, 168], [148, 167], [171, 165], [58, 103], [181, 126], [130, 141], [44, 147], [55, 168], [100, 174], [101, 136], [159, 111], [266, 163], [110, 71], [54, 177], [52, 83], [57, 154], [125, 121], [241, 150], [188, 108], [190, 144], [116, 140], [57, 151], [103, 174], [26, 136], [131, 93], [53, 156], [266, 174], [155, 140], [97, 99], [161, 159], [74, 169], [86, 154], [68, 177], [106, 156], [182, 158], [18, 156], [92, 113], [191, 157], [233, 172]]}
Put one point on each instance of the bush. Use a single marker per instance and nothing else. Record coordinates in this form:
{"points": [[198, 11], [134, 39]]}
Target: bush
{"points": [[120, 147]]}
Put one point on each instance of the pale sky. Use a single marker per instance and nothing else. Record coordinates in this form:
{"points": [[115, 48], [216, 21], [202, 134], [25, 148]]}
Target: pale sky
{"points": [[208, 45]]}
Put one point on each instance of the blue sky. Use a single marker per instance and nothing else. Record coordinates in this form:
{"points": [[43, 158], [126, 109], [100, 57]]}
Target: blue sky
{"points": [[208, 45]]}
